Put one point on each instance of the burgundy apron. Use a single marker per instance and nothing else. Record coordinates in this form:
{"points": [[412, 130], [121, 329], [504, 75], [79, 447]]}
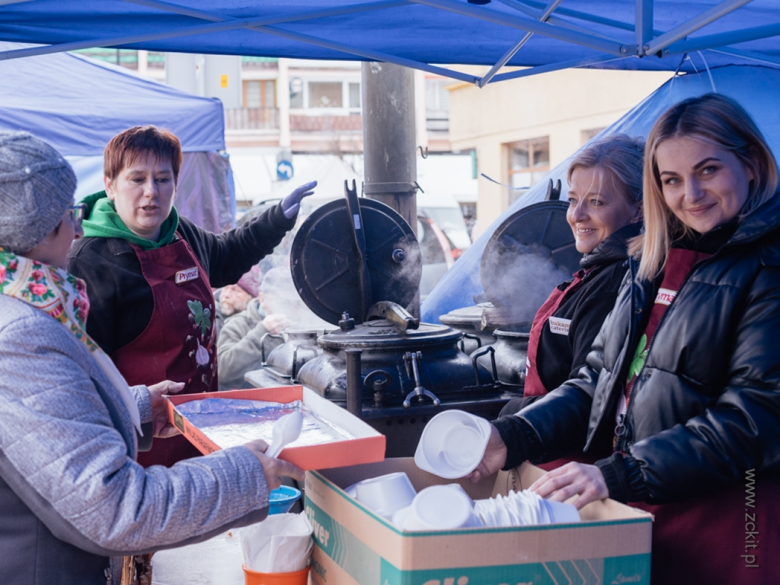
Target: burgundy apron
{"points": [[533, 383], [729, 536], [179, 343]]}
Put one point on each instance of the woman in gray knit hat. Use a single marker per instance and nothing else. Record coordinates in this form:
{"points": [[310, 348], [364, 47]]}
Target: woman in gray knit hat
{"points": [[71, 492]]}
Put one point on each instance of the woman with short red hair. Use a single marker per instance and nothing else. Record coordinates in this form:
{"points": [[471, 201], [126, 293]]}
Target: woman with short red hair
{"points": [[150, 272]]}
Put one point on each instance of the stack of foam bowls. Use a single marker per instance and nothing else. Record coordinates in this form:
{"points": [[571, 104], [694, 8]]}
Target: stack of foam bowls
{"points": [[524, 508], [385, 494], [438, 507], [452, 444]]}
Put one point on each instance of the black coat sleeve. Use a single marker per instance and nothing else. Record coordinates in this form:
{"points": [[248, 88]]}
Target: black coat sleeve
{"points": [[227, 256], [120, 299]]}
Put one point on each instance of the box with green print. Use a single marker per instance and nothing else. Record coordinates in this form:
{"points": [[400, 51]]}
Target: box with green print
{"points": [[354, 546]]}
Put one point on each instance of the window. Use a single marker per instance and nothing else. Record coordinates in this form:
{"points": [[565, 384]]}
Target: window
{"points": [[260, 93], [343, 95], [437, 104], [354, 96], [325, 94], [586, 135], [529, 161]]}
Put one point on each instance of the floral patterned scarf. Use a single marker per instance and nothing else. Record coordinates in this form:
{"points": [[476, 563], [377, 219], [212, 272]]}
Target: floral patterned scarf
{"points": [[63, 297]]}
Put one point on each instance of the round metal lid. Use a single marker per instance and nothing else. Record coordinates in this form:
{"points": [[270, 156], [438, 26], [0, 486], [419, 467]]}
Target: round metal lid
{"points": [[466, 317], [532, 249], [505, 333], [325, 260], [383, 334]]}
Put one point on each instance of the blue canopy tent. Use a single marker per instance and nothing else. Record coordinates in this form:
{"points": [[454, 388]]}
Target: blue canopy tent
{"points": [[755, 87], [78, 104], [634, 34]]}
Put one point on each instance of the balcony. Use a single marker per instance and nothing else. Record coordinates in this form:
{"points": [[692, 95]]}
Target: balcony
{"points": [[326, 123], [252, 119]]}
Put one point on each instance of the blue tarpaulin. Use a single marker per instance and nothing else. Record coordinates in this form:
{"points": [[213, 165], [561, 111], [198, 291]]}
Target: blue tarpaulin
{"points": [[623, 34], [756, 88], [78, 104]]}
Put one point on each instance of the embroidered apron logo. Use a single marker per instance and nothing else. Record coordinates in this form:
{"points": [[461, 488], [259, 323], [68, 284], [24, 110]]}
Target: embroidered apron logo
{"points": [[185, 275], [559, 326]]}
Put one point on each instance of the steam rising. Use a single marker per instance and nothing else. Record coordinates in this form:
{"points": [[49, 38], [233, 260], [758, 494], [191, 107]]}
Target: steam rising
{"points": [[522, 282]]}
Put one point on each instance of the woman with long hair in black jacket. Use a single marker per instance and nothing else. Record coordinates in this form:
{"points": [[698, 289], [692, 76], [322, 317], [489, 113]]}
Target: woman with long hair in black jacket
{"points": [[683, 381]]}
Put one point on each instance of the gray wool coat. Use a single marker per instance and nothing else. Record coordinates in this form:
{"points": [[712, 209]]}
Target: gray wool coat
{"points": [[71, 493], [239, 348]]}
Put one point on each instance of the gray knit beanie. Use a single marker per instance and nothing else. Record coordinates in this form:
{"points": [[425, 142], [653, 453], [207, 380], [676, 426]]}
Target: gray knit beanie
{"points": [[36, 187]]}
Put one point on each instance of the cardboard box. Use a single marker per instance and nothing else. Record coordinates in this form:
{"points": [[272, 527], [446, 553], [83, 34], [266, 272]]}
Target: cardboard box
{"points": [[367, 446], [355, 546]]}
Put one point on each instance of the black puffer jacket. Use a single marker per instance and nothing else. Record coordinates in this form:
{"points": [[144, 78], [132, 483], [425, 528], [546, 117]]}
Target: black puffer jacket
{"points": [[560, 357], [706, 406]]}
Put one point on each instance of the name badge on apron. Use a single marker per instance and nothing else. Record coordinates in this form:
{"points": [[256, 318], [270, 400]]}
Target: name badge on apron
{"points": [[186, 275], [559, 326]]}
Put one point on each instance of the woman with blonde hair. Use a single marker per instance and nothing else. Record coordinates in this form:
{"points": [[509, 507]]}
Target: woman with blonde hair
{"points": [[604, 214], [683, 381]]}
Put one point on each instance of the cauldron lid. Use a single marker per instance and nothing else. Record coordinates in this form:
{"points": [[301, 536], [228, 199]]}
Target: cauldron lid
{"points": [[540, 229], [325, 261], [465, 317], [382, 334]]}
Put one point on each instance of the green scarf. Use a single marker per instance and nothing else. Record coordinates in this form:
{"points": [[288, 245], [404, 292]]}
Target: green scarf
{"points": [[102, 221]]}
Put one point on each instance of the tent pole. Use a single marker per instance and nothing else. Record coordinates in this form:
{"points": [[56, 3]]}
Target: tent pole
{"points": [[554, 20], [389, 133], [366, 53], [721, 39], [511, 52], [555, 67], [749, 55], [643, 28], [527, 24], [692, 25]]}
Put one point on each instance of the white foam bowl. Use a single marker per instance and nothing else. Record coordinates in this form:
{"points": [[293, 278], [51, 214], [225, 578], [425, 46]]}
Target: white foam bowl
{"points": [[439, 507], [452, 444], [386, 494]]}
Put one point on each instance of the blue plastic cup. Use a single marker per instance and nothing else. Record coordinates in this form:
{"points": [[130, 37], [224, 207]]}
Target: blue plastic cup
{"points": [[282, 499]]}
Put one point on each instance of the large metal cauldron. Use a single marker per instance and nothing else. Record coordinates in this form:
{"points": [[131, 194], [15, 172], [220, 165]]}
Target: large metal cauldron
{"points": [[511, 351], [282, 357]]}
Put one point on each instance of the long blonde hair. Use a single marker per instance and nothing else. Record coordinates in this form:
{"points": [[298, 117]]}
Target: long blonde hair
{"points": [[715, 119]]}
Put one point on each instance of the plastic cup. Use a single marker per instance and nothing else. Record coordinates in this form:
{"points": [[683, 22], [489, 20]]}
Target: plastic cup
{"points": [[295, 578], [386, 494], [452, 444], [439, 507], [282, 499]]}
